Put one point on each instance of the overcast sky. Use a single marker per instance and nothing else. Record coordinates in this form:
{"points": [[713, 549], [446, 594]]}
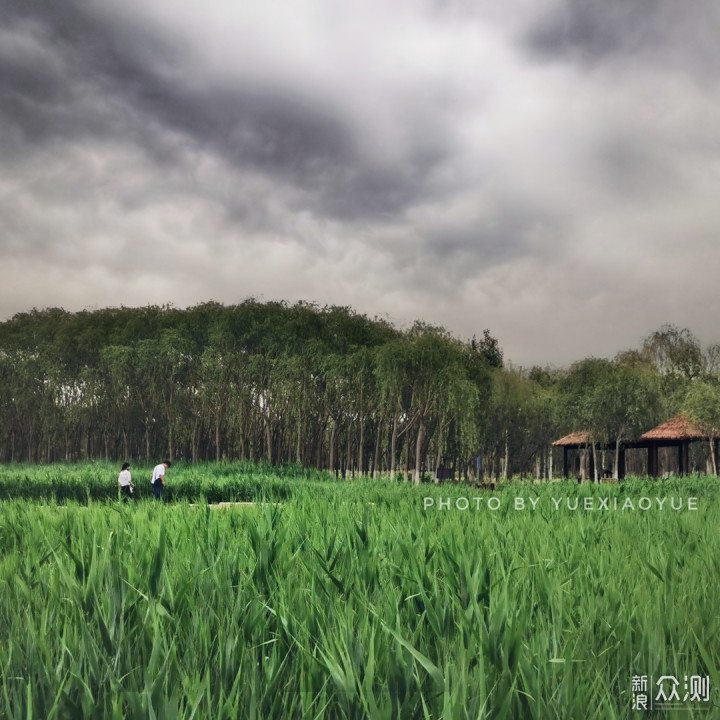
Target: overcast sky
{"points": [[547, 169]]}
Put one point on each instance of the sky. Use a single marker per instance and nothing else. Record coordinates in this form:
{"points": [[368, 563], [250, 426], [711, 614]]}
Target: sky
{"points": [[547, 169]]}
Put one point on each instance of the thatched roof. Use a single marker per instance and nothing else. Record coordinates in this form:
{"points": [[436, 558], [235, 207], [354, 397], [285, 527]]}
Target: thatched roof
{"points": [[574, 438], [673, 431], [678, 428]]}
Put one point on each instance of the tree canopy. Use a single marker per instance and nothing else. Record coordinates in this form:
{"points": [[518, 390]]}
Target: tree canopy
{"points": [[324, 387], [321, 386]]}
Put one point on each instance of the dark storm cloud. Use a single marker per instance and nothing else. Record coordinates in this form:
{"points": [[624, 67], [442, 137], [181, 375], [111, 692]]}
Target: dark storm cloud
{"points": [[62, 65], [73, 74], [492, 235], [679, 35], [473, 163]]}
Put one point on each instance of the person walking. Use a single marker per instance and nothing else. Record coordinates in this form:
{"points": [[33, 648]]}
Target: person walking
{"points": [[125, 482], [158, 479]]}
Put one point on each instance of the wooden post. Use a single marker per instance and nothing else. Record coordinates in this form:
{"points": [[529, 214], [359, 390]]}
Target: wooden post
{"points": [[566, 472], [653, 460], [680, 464], [683, 456]]}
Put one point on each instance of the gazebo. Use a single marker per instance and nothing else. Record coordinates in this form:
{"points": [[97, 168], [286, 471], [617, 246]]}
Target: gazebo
{"points": [[678, 432], [574, 441]]}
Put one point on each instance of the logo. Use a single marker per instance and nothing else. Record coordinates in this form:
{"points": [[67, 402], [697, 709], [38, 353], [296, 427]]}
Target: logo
{"points": [[669, 692]]}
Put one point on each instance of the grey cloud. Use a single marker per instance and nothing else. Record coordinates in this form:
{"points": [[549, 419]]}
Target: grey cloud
{"points": [[94, 79], [428, 186], [679, 35], [60, 75], [312, 147], [507, 231], [635, 168]]}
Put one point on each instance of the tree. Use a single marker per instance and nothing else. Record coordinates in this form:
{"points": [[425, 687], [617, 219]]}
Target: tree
{"points": [[489, 348], [632, 402], [677, 355], [392, 374], [702, 404], [512, 403], [290, 382], [611, 400]]}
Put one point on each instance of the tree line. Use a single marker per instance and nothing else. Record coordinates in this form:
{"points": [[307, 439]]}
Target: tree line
{"points": [[323, 387]]}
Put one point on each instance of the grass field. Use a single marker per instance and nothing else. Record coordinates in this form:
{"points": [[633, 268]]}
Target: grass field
{"points": [[351, 599]]}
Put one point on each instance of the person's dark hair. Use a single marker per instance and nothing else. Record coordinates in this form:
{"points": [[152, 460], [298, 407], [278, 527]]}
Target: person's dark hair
{"points": [[167, 462], [125, 466]]}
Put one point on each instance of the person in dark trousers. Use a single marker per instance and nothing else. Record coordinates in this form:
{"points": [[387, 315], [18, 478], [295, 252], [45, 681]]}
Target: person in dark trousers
{"points": [[125, 482], [158, 479]]}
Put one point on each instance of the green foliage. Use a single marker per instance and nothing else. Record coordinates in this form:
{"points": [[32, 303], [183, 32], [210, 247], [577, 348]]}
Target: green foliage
{"points": [[677, 356], [327, 606], [675, 352], [611, 400], [702, 403], [489, 348], [202, 482], [317, 386]]}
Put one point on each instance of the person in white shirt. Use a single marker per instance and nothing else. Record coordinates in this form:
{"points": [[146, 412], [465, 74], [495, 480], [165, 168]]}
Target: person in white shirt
{"points": [[158, 479], [125, 482]]}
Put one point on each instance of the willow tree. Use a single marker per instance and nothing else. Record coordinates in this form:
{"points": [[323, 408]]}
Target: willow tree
{"points": [[511, 402], [630, 397], [438, 384], [702, 404], [677, 356], [580, 401], [391, 373], [290, 381], [164, 363], [611, 400]]}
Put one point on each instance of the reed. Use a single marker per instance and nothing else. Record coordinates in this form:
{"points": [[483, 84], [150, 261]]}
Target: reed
{"points": [[328, 606]]}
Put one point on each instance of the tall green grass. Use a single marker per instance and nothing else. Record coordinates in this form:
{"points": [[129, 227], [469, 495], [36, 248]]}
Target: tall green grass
{"points": [[328, 606], [97, 481]]}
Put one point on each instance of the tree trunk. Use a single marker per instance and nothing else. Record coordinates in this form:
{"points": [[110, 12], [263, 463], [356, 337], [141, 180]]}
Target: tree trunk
{"points": [[376, 456], [506, 459], [331, 461], [268, 440], [361, 445], [406, 453], [348, 462], [418, 453], [712, 455], [393, 444], [595, 463], [217, 437]]}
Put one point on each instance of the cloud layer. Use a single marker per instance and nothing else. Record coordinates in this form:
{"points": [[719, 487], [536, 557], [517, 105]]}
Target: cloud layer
{"points": [[545, 169]]}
